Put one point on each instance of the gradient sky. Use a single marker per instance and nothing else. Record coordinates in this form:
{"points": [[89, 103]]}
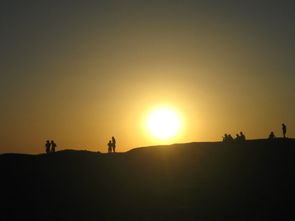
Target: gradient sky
{"points": [[79, 72]]}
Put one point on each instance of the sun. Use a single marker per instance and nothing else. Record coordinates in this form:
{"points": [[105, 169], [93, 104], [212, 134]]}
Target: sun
{"points": [[163, 123]]}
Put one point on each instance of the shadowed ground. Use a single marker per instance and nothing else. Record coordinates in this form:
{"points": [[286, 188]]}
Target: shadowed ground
{"points": [[194, 181]]}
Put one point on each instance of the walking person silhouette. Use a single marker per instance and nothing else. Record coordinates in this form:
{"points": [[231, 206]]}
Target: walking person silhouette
{"points": [[47, 146], [53, 146], [284, 128], [114, 144]]}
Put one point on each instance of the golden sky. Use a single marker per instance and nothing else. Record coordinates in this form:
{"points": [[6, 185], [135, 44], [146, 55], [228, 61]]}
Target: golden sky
{"points": [[82, 72]]}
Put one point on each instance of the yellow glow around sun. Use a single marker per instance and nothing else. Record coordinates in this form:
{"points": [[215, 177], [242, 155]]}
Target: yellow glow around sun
{"points": [[163, 123]]}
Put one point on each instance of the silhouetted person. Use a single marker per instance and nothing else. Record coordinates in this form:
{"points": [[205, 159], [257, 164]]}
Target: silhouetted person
{"points": [[47, 146], [230, 138], [224, 139], [242, 136], [53, 146], [284, 128], [110, 146], [114, 144], [271, 136], [238, 138], [227, 138]]}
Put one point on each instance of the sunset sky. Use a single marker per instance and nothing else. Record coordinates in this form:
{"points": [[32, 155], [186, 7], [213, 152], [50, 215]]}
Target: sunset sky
{"points": [[79, 72]]}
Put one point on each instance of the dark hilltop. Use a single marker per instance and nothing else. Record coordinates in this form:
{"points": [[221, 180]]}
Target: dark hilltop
{"points": [[251, 180]]}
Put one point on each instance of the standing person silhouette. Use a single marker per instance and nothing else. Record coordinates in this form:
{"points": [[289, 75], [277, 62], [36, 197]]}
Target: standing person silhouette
{"points": [[284, 128], [47, 146], [114, 144], [53, 146], [110, 146]]}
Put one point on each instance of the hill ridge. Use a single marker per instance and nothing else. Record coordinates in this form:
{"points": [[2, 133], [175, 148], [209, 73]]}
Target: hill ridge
{"points": [[252, 180]]}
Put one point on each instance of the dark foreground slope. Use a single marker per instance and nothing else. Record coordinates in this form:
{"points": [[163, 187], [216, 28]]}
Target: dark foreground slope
{"points": [[197, 181]]}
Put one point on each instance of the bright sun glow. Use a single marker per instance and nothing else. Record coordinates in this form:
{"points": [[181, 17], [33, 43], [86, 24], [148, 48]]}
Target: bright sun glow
{"points": [[163, 123]]}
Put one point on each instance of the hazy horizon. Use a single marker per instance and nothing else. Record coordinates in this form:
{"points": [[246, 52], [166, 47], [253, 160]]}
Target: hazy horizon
{"points": [[81, 72]]}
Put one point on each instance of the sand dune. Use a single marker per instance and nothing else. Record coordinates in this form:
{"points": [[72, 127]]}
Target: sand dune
{"points": [[252, 180]]}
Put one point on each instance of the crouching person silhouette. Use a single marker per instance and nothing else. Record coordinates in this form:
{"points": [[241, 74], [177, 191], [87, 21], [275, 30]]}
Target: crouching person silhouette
{"points": [[271, 135]]}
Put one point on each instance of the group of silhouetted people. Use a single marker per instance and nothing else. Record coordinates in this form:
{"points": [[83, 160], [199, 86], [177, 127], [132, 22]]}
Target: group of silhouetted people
{"points": [[50, 146], [241, 136], [112, 145], [284, 130], [229, 138]]}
